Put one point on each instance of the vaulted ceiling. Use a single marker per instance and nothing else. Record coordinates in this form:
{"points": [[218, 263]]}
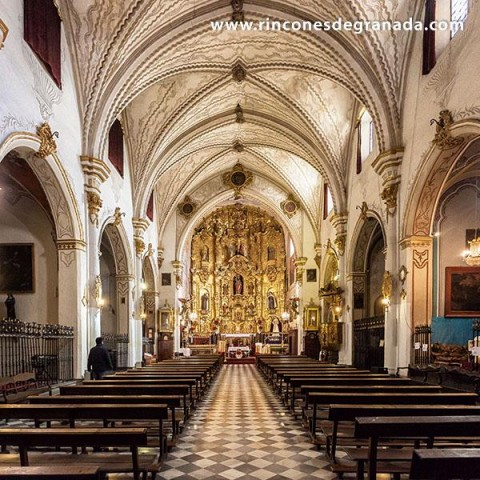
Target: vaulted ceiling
{"points": [[158, 66]]}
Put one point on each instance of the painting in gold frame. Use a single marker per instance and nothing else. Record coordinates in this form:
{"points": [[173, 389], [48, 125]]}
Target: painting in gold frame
{"points": [[165, 319], [311, 318]]}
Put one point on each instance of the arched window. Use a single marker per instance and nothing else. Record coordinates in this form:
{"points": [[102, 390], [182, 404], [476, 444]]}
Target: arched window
{"points": [[365, 138], [115, 146], [459, 14], [327, 201], [42, 31]]}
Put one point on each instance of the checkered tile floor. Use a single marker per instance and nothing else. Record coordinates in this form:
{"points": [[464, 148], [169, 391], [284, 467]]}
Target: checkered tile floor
{"points": [[242, 431]]}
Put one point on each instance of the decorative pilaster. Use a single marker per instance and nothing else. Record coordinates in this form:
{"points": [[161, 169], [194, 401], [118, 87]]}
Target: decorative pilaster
{"points": [[388, 165], [300, 269], [96, 172]]}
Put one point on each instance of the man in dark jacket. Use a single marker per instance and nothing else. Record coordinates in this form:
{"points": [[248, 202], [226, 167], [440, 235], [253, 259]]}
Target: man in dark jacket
{"points": [[99, 360]]}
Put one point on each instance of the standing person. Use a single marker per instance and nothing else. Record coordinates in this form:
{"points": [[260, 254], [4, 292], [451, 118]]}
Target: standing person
{"points": [[99, 361]]}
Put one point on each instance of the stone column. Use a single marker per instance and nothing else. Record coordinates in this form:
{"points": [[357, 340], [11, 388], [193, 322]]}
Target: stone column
{"points": [[179, 293], [387, 165], [299, 271], [72, 301], [135, 353], [96, 172]]}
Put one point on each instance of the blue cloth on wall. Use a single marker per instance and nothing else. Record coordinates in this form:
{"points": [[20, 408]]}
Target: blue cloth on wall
{"points": [[456, 331]]}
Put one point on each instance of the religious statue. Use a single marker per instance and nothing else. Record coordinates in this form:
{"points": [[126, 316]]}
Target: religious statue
{"points": [[10, 304], [272, 301], [275, 325], [204, 302], [238, 284], [251, 288], [204, 254]]}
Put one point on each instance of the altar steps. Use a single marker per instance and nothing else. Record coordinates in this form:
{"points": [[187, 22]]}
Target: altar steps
{"points": [[240, 361]]}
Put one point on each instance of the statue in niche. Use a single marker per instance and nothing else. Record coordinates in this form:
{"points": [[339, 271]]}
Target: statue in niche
{"points": [[225, 290], [224, 309], [231, 250], [275, 327], [205, 254], [10, 304], [270, 253], [251, 309], [271, 301], [204, 301], [251, 288], [241, 248], [238, 284]]}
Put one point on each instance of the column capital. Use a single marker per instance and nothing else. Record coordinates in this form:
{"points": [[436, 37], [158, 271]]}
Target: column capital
{"points": [[416, 241], [300, 269], [140, 226], [72, 244]]}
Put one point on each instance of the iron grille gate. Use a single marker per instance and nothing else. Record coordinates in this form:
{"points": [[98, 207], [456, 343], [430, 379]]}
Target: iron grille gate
{"points": [[368, 340]]}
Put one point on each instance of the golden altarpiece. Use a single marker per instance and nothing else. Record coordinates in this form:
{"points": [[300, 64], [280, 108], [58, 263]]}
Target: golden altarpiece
{"points": [[238, 272]]}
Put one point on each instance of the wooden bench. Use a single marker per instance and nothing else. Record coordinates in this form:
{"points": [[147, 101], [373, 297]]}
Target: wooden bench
{"points": [[132, 438], [50, 473], [327, 398], [376, 428], [445, 463], [78, 412], [173, 402], [122, 390], [347, 413]]}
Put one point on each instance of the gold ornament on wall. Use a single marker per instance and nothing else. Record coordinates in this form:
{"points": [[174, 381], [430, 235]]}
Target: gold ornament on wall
{"points": [[238, 178], [3, 33], [443, 137], [94, 205], [340, 242], [118, 216], [389, 196], [47, 142], [139, 246]]}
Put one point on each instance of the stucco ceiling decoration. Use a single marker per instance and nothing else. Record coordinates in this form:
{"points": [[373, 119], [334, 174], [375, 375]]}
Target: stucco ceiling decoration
{"points": [[110, 41]]}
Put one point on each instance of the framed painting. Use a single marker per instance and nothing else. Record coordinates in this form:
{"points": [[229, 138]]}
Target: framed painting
{"points": [[462, 292], [311, 318], [16, 268], [311, 274], [165, 319], [166, 279]]}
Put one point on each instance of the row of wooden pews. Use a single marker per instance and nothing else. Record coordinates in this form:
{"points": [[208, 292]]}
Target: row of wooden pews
{"points": [[384, 424], [145, 407]]}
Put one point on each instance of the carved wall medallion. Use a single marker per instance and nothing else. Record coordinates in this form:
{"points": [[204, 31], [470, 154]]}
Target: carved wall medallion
{"points": [[47, 142], [139, 246], [340, 242], [290, 206], [443, 138], [187, 207], [238, 178], [402, 274], [238, 146]]}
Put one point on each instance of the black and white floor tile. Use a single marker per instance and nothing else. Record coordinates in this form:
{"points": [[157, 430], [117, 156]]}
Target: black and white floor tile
{"points": [[242, 431]]}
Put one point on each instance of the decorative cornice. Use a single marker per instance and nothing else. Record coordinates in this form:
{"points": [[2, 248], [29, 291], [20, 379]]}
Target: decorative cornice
{"points": [[3, 33], [94, 167], [71, 245], [416, 241], [387, 165]]}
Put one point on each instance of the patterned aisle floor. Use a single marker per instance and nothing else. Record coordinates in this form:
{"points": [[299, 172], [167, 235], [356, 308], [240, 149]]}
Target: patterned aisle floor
{"points": [[242, 431]]}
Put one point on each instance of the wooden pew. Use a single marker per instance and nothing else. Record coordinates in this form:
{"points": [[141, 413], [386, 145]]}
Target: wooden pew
{"points": [[347, 413], [327, 398], [293, 383], [122, 390], [172, 401], [78, 412], [445, 463], [132, 438], [376, 428], [63, 472]]}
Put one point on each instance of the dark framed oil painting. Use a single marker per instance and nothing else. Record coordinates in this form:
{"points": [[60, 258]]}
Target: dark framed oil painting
{"points": [[166, 279], [16, 268], [462, 292]]}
